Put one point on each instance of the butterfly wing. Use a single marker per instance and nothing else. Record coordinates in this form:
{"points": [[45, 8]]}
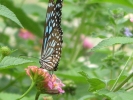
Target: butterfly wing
{"points": [[52, 40]]}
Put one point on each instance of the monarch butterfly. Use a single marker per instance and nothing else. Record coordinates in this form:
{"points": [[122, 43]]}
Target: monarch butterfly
{"points": [[52, 39]]}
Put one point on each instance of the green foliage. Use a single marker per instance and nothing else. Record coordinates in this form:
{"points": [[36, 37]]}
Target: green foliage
{"points": [[27, 22], [112, 41], [95, 84], [103, 72], [119, 95], [29, 9], [13, 96], [122, 2], [9, 14], [10, 62]]}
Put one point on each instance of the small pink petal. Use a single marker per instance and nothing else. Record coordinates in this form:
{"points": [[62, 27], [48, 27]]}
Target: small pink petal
{"points": [[25, 34], [50, 84], [131, 19], [87, 43], [61, 91]]}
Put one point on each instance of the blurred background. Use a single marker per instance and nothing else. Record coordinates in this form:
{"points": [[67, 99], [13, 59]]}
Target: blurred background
{"points": [[84, 23]]}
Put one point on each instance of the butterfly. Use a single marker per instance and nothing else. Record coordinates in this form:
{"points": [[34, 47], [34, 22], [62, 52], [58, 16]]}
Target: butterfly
{"points": [[52, 39]]}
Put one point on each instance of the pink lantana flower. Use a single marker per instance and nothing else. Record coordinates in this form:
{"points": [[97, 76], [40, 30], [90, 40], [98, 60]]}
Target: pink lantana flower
{"points": [[54, 85], [131, 19], [25, 34], [45, 82], [86, 42]]}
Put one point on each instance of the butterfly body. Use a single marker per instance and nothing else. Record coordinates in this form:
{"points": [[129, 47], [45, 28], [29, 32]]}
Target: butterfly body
{"points": [[52, 40]]}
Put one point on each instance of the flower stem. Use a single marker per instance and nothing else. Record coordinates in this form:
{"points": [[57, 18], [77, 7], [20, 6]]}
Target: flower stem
{"points": [[66, 96], [121, 73], [129, 88], [120, 85], [11, 83], [37, 95], [31, 86]]}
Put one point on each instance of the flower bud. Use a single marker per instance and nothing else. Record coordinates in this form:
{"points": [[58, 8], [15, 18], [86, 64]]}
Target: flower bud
{"points": [[117, 13], [47, 98], [70, 87], [5, 51]]}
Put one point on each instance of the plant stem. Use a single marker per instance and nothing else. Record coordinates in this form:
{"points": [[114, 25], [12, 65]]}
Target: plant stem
{"points": [[120, 85], [75, 50], [129, 88], [76, 47], [113, 50], [31, 86], [37, 95], [121, 72], [11, 83], [76, 53], [4, 29], [67, 96]]}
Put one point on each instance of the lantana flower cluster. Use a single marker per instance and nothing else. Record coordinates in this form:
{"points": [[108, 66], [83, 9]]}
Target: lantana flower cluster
{"points": [[86, 42], [25, 34], [45, 82]]}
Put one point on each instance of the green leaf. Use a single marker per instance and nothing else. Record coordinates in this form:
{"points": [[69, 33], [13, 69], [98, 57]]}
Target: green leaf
{"points": [[112, 41], [27, 22], [71, 75], [119, 95], [4, 11], [9, 62], [112, 81], [29, 9], [84, 74], [95, 83], [122, 2]]}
